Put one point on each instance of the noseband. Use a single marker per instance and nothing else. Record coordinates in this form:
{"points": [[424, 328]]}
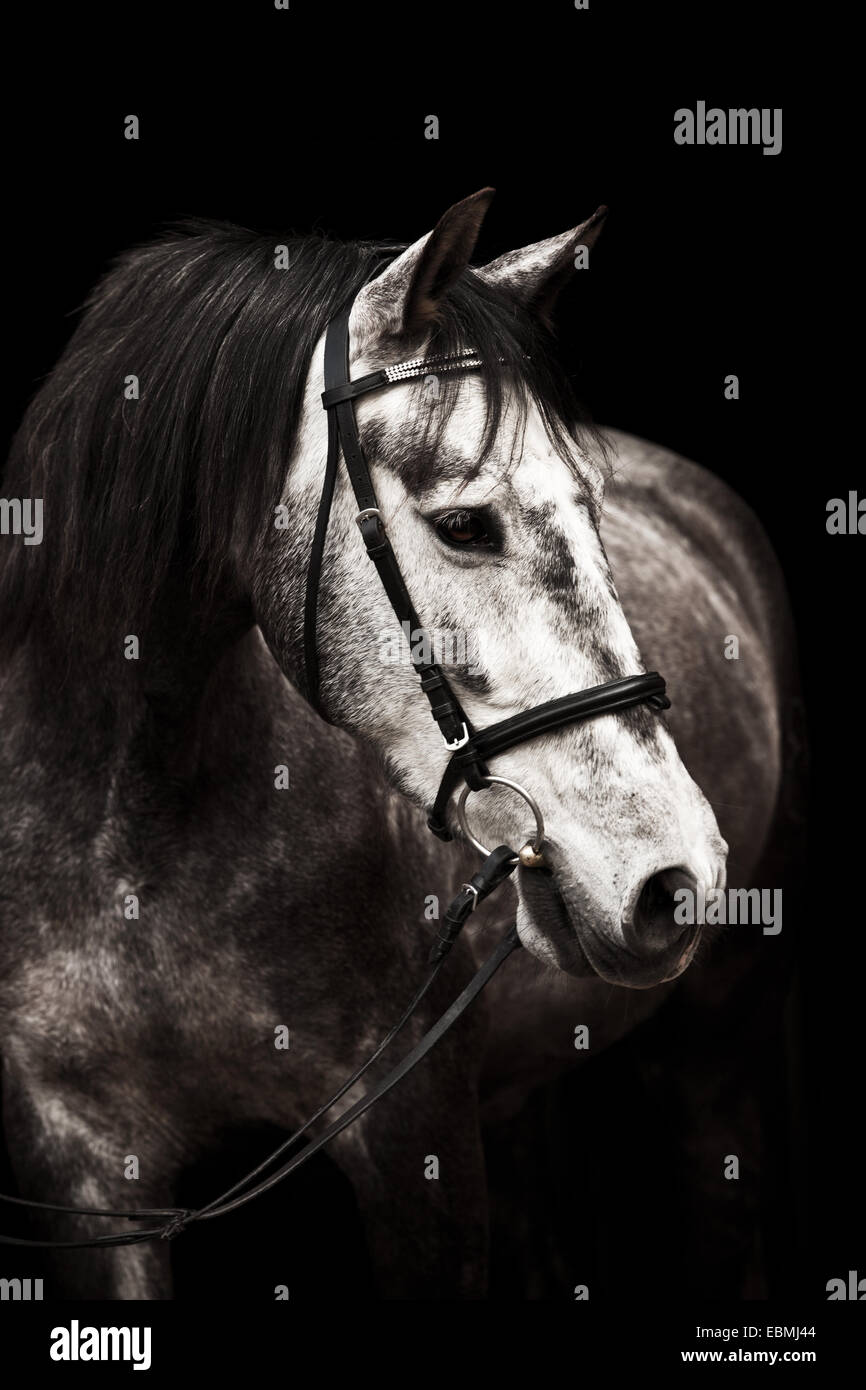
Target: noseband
{"points": [[470, 751]]}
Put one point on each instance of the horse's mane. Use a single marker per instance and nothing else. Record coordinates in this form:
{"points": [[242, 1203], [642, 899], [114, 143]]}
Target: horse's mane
{"points": [[221, 341]]}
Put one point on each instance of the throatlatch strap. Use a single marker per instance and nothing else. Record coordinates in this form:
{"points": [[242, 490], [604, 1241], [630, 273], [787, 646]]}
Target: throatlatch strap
{"points": [[314, 569]]}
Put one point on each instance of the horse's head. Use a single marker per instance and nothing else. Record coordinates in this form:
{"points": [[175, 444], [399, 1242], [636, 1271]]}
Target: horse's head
{"points": [[492, 502]]}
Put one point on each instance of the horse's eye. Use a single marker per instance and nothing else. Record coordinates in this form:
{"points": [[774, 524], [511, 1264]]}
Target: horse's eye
{"points": [[462, 528]]}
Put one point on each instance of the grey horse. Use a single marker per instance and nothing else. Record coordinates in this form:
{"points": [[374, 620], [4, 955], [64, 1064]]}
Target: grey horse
{"points": [[213, 901]]}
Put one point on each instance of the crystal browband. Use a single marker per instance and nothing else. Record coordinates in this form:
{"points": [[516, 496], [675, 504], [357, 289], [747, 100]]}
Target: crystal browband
{"points": [[427, 366], [468, 360]]}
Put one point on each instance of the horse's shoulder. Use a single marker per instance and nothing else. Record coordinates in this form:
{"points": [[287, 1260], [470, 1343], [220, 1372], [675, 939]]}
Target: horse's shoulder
{"points": [[660, 505], [680, 498], [642, 467]]}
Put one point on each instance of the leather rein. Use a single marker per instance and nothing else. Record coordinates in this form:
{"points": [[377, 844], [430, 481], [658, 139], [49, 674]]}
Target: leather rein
{"points": [[470, 750]]}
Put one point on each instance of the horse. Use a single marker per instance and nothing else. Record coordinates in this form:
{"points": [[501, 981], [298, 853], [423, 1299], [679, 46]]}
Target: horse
{"points": [[214, 898]]}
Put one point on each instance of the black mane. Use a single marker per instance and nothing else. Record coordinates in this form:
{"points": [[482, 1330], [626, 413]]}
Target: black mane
{"points": [[221, 342]]}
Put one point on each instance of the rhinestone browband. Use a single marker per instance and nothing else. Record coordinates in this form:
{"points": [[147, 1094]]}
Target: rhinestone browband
{"points": [[425, 366]]}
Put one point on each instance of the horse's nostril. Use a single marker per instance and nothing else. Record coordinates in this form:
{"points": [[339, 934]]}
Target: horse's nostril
{"points": [[653, 923]]}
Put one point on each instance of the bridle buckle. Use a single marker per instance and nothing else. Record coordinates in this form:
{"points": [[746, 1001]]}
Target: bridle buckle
{"points": [[470, 888], [458, 742]]}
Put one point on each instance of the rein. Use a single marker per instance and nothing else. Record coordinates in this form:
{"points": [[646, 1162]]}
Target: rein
{"points": [[470, 751], [173, 1220]]}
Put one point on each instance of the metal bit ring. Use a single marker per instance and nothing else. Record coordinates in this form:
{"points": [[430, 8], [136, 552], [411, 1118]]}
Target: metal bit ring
{"points": [[530, 856]]}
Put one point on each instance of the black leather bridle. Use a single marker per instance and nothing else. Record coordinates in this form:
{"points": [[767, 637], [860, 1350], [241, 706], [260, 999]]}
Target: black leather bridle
{"points": [[470, 752], [469, 749]]}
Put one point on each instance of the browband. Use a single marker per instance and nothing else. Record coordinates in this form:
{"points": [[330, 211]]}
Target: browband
{"points": [[452, 362]]}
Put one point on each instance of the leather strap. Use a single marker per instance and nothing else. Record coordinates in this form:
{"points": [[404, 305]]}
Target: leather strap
{"points": [[351, 390], [508, 944], [496, 868], [337, 399], [314, 568], [469, 761]]}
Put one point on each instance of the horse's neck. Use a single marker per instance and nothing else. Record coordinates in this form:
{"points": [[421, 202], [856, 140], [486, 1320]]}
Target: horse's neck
{"points": [[228, 730], [338, 817], [204, 745], [335, 783]]}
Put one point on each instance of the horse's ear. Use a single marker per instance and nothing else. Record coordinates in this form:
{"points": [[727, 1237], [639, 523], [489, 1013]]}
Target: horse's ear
{"points": [[404, 300], [536, 274]]}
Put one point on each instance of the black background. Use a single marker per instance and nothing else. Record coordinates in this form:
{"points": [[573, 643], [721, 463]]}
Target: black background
{"points": [[713, 261]]}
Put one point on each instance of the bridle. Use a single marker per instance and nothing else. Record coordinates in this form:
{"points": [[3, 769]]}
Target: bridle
{"points": [[470, 749]]}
